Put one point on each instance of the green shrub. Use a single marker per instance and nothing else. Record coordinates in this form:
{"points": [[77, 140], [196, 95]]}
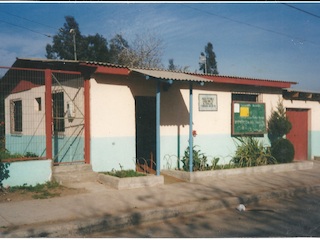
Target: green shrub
{"points": [[283, 150], [250, 152], [4, 172], [199, 160]]}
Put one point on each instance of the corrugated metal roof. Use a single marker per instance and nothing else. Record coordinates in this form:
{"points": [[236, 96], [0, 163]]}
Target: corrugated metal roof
{"points": [[104, 64], [169, 75], [178, 76]]}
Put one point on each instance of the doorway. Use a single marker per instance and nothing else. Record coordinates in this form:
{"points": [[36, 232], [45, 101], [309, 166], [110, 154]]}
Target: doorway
{"points": [[298, 135], [145, 108]]}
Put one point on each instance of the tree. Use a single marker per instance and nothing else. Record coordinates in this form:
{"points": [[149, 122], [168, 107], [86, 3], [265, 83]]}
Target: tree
{"points": [[278, 126], [118, 47], [173, 67], [97, 48], [87, 47], [210, 64], [278, 123], [144, 52]]}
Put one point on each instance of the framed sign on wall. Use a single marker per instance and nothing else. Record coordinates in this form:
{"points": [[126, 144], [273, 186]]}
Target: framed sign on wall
{"points": [[208, 102], [248, 118]]}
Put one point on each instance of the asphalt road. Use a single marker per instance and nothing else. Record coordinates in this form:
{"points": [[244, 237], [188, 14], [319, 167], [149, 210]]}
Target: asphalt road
{"points": [[298, 216]]}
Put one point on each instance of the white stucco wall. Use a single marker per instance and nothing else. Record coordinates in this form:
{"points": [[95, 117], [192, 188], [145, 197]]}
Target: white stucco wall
{"points": [[112, 126], [113, 122]]}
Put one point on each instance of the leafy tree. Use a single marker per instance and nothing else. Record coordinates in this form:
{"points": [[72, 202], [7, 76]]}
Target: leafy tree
{"points": [[118, 47], [210, 64], [97, 48], [87, 47], [144, 52]]}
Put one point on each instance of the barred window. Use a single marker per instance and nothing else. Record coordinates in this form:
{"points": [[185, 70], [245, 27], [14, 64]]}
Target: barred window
{"points": [[16, 116]]}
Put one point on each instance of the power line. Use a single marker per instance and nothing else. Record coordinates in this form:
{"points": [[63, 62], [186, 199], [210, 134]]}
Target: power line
{"points": [[28, 20], [25, 28], [301, 10], [251, 25]]}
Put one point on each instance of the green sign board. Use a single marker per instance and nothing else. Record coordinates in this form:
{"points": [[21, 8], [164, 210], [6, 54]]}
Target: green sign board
{"points": [[248, 118]]}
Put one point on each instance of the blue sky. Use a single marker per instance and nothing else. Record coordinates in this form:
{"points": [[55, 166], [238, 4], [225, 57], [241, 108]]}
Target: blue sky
{"points": [[265, 40]]}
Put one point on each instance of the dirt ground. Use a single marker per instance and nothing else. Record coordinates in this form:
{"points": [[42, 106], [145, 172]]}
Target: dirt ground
{"points": [[21, 195]]}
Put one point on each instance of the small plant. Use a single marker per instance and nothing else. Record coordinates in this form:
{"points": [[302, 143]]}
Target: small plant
{"points": [[30, 154], [124, 173], [250, 152], [214, 163], [199, 160]]}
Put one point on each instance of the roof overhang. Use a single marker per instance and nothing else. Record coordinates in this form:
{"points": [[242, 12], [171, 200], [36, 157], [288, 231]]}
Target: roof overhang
{"points": [[292, 94], [167, 75], [248, 81]]}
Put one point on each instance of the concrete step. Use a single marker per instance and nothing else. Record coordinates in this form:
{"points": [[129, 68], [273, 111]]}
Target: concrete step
{"points": [[67, 174], [72, 168]]}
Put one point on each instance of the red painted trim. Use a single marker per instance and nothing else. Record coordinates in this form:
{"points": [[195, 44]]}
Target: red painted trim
{"points": [[112, 70], [48, 112], [87, 122], [40, 70]]}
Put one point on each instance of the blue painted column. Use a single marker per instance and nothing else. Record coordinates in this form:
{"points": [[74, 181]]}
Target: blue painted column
{"points": [[190, 128], [158, 128]]}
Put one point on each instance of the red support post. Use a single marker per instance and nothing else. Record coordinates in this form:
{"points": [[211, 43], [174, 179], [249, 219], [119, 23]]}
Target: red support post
{"points": [[48, 112], [87, 121]]}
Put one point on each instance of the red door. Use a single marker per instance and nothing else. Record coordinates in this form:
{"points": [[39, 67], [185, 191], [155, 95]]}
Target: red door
{"points": [[299, 132]]}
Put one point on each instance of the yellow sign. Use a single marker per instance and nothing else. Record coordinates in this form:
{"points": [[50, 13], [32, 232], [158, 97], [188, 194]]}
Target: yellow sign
{"points": [[244, 111]]}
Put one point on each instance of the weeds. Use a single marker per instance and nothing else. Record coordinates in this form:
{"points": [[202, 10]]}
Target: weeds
{"points": [[41, 191], [124, 173], [5, 154]]}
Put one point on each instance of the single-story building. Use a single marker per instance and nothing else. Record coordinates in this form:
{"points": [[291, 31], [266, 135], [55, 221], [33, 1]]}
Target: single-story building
{"points": [[109, 116]]}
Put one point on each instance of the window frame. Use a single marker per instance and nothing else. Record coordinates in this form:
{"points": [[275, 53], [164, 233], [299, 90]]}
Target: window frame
{"points": [[16, 116]]}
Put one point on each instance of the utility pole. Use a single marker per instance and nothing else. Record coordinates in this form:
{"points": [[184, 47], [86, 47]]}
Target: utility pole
{"points": [[73, 32], [203, 60]]}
